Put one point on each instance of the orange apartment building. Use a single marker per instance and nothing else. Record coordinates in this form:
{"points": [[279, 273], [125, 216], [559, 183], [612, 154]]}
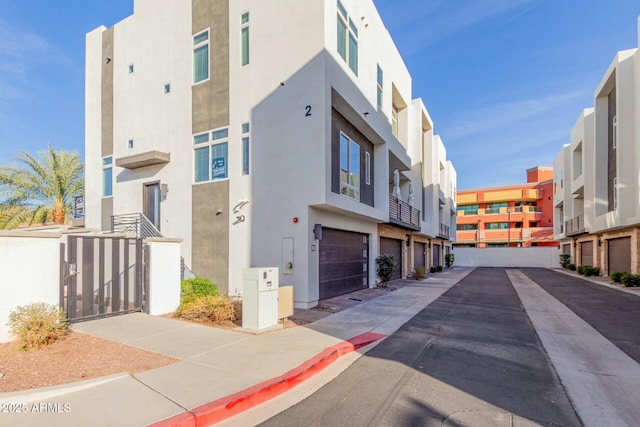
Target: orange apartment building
{"points": [[515, 216]]}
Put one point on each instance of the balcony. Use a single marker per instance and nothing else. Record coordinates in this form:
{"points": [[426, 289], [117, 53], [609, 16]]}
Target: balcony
{"points": [[403, 215], [574, 226], [443, 231]]}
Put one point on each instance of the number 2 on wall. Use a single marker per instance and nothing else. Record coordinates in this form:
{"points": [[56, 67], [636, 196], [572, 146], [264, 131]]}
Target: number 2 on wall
{"points": [[308, 110]]}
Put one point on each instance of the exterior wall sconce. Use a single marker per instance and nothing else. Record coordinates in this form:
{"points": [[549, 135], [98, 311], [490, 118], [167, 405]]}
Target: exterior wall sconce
{"points": [[599, 242], [317, 231]]}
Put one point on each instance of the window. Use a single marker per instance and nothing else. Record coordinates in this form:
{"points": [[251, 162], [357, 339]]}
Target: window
{"points": [[615, 193], [468, 210], [245, 149], [495, 226], [467, 226], [615, 132], [201, 56], [494, 208], [211, 158], [349, 167], [347, 38], [244, 38], [380, 87], [394, 121], [107, 176], [367, 167]]}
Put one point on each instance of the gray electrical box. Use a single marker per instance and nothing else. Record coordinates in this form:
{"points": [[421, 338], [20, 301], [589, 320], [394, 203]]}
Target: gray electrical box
{"points": [[259, 297]]}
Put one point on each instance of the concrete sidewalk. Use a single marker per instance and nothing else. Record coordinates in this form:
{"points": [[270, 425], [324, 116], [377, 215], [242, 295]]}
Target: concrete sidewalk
{"points": [[602, 381], [214, 363]]}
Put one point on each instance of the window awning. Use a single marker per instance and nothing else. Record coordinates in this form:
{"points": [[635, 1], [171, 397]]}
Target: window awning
{"points": [[148, 158]]}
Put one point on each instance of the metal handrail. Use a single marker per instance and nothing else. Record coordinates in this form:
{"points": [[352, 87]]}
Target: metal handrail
{"points": [[134, 223]]}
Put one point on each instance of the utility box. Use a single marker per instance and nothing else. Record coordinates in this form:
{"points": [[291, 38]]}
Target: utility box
{"points": [[260, 297]]}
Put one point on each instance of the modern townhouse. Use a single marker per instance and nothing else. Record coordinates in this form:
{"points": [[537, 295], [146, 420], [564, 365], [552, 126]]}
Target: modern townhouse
{"points": [[518, 215], [597, 187], [265, 133]]}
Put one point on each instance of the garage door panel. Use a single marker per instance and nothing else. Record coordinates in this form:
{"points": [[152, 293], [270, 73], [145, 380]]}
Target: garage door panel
{"points": [[586, 249], [343, 262], [619, 254], [418, 254], [393, 247]]}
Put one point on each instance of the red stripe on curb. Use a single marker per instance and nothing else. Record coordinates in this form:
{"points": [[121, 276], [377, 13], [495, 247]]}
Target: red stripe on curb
{"points": [[226, 407]]}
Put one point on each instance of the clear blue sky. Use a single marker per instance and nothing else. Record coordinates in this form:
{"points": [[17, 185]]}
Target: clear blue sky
{"points": [[504, 80]]}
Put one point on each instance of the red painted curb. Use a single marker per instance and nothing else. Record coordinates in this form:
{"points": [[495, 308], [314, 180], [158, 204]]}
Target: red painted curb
{"points": [[226, 407]]}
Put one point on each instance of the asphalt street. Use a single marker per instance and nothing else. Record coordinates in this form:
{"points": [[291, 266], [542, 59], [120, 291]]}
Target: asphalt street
{"points": [[472, 357]]}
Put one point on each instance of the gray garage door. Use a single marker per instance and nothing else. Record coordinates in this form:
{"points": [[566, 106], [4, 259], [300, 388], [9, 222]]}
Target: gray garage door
{"points": [[393, 247], [586, 249], [620, 254], [344, 260], [436, 255], [418, 254]]}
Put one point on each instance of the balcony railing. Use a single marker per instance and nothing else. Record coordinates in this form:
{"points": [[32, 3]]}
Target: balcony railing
{"points": [[400, 213], [444, 231], [134, 223], [574, 225]]}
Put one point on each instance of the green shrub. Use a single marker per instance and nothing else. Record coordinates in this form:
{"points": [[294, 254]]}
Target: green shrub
{"points": [[588, 270], [572, 267], [197, 287], [214, 308], [386, 263], [432, 269], [449, 259], [38, 324], [616, 276], [595, 271], [581, 269], [630, 280], [565, 260], [438, 268]]}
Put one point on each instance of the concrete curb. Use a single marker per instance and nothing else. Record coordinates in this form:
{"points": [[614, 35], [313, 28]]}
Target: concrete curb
{"points": [[598, 282], [226, 407]]}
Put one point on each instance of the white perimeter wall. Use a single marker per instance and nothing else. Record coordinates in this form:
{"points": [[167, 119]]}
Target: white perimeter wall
{"points": [[164, 275], [546, 257], [29, 273]]}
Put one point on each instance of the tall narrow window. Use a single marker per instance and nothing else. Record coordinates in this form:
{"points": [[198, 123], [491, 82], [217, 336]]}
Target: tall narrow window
{"points": [[107, 176], [349, 167], [347, 37], [244, 35], [615, 193], [615, 132], [394, 121], [367, 167], [380, 87], [201, 56], [245, 148]]}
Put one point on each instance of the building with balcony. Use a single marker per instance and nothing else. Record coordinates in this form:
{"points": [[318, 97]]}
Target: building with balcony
{"points": [[512, 216], [596, 186], [301, 148]]}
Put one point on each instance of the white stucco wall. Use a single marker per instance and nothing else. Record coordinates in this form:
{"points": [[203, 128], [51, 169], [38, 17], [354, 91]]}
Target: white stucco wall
{"points": [[29, 272], [546, 257], [164, 275]]}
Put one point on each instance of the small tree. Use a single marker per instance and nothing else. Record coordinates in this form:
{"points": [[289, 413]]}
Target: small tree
{"points": [[565, 260], [449, 259], [386, 264]]}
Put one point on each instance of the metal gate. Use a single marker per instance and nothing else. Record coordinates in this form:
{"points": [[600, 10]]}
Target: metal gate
{"points": [[104, 277]]}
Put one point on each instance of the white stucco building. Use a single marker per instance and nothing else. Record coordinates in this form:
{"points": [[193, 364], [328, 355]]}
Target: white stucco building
{"points": [[266, 133], [597, 175]]}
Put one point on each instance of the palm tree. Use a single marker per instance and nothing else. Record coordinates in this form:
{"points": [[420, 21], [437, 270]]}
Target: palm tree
{"points": [[41, 189]]}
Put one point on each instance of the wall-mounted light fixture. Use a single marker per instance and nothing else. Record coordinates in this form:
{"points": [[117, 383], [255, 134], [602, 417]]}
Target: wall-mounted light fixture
{"points": [[219, 212], [599, 242]]}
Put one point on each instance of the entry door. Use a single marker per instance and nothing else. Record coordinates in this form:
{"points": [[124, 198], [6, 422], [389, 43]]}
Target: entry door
{"points": [[418, 254], [393, 247], [152, 203], [436, 255]]}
